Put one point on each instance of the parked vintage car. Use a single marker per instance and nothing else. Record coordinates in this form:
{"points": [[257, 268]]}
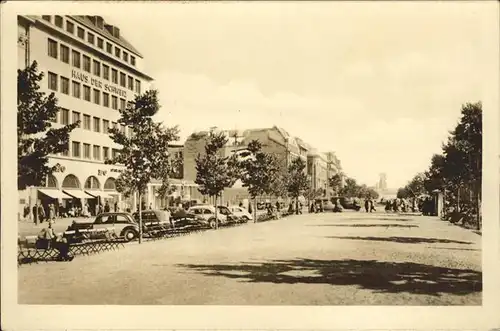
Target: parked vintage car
{"points": [[123, 224], [181, 218], [350, 203], [230, 216], [208, 213], [241, 212], [150, 215]]}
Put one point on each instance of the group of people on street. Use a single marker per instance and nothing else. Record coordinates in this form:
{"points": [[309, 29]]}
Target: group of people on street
{"points": [[41, 212], [424, 205], [47, 238], [369, 205]]}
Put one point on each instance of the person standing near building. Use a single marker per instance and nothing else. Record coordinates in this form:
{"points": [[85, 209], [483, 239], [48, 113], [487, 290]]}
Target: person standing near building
{"points": [[106, 207], [35, 213], [41, 213], [367, 205], [116, 206], [52, 213]]}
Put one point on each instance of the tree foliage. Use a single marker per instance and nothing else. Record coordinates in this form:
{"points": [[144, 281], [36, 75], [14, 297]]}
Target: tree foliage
{"points": [[213, 171], [144, 153], [260, 170], [297, 182], [36, 136], [352, 189], [458, 170], [335, 183]]}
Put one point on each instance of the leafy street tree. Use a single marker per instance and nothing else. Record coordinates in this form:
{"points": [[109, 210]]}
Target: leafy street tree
{"points": [[260, 171], [36, 138], [335, 183], [144, 153], [458, 170], [278, 184], [213, 171], [415, 187], [297, 182], [350, 189]]}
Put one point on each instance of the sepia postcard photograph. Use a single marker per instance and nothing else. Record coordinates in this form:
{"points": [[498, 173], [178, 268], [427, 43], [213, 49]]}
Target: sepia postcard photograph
{"points": [[255, 165]]}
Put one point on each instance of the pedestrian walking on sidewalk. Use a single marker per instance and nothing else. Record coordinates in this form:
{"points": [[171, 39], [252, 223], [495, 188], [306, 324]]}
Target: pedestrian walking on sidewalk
{"points": [[52, 213], [41, 213]]}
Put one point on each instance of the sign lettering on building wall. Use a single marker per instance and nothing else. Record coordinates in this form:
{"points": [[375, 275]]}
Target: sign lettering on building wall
{"points": [[101, 172], [84, 78]]}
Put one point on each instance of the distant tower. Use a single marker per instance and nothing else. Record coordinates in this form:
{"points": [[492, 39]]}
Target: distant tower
{"points": [[382, 183]]}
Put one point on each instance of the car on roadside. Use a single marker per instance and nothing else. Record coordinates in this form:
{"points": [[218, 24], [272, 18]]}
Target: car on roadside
{"points": [[241, 212], [122, 224], [153, 216], [231, 217], [207, 212], [348, 203], [181, 218]]}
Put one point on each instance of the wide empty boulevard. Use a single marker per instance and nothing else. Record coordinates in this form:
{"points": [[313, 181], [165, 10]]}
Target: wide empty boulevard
{"points": [[319, 259]]}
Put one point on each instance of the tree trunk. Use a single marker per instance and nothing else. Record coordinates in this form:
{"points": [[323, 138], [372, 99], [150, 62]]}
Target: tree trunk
{"points": [[216, 219], [478, 203], [255, 209], [140, 218]]}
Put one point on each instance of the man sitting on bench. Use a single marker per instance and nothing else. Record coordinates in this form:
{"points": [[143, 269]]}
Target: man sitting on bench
{"points": [[47, 239]]}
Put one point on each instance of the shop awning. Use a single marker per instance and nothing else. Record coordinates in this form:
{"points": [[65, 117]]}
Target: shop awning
{"points": [[54, 194], [76, 194], [96, 194]]}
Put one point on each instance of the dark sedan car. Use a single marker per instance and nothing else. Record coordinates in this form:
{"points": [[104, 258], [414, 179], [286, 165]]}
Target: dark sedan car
{"points": [[181, 218]]}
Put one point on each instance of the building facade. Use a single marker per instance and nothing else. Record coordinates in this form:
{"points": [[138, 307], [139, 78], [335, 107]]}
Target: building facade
{"points": [[93, 71], [274, 140], [318, 170]]}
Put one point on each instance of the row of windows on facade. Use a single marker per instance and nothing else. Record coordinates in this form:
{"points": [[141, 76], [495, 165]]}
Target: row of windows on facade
{"points": [[63, 87], [84, 62], [91, 38], [64, 120], [75, 150]]}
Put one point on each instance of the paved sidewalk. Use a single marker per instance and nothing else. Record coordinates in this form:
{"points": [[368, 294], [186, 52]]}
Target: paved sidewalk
{"points": [[309, 259]]}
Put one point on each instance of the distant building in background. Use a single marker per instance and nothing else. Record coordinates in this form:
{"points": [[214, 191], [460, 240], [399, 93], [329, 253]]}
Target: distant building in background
{"points": [[317, 168], [382, 183], [274, 140], [382, 189]]}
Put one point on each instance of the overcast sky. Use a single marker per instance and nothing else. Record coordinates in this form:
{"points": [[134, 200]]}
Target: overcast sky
{"points": [[380, 84]]}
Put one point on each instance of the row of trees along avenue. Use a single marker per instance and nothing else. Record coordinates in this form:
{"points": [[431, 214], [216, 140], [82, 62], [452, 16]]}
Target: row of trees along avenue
{"points": [[351, 189], [145, 155], [457, 171], [260, 172]]}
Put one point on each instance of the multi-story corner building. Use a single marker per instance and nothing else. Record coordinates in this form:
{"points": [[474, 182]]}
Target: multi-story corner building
{"points": [[93, 71]]}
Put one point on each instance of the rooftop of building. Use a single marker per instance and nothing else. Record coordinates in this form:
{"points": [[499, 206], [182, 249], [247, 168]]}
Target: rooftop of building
{"points": [[107, 30], [98, 25]]}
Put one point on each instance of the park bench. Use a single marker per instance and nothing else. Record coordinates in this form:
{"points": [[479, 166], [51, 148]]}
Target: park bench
{"points": [[81, 242], [33, 249]]}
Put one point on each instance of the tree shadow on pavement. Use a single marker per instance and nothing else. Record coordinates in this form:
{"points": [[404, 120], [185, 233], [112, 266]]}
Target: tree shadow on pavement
{"points": [[383, 219], [369, 225], [406, 240], [379, 276], [456, 249]]}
